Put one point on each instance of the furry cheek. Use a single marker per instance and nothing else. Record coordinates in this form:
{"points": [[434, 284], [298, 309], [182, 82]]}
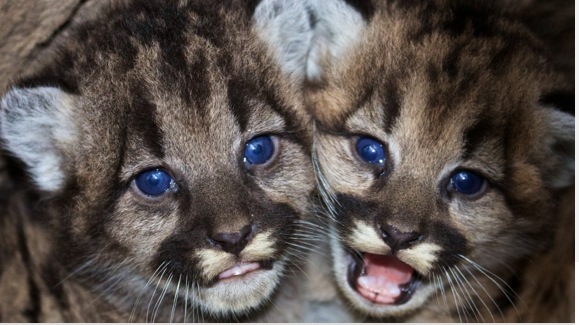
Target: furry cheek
{"points": [[489, 212]]}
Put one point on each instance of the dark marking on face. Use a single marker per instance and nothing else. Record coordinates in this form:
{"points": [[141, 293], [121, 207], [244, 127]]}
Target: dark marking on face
{"points": [[392, 104], [237, 94], [476, 135], [196, 77], [177, 252], [351, 208], [142, 116], [241, 88], [365, 95], [271, 97], [278, 217], [450, 63], [452, 242]]}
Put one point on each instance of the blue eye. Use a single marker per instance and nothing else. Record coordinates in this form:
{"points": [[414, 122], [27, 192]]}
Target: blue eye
{"points": [[259, 150], [154, 182], [371, 151], [466, 182]]}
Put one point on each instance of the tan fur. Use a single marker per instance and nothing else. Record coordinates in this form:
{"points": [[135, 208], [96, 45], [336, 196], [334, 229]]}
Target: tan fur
{"points": [[425, 85], [421, 257], [106, 106], [365, 238]]}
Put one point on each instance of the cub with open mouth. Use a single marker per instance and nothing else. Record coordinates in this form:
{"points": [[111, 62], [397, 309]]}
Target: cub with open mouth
{"points": [[441, 147]]}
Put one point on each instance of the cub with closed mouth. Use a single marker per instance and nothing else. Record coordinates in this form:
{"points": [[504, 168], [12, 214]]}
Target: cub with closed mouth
{"points": [[160, 170]]}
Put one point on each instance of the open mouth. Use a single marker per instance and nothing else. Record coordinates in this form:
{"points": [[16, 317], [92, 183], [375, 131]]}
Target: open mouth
{"points": [[242, 268], [382, 279]]}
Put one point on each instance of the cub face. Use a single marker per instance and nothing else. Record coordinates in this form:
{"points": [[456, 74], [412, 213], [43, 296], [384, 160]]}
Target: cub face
{"points": [[439, 152], [437, 145], [172, 156]]}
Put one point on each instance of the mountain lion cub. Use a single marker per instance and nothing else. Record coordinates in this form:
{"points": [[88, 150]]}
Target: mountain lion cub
{"points": [[160, 171], [442, 155]]}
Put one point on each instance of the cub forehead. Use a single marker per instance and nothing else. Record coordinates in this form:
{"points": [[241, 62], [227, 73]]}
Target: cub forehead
{"points": [[449, 55]]}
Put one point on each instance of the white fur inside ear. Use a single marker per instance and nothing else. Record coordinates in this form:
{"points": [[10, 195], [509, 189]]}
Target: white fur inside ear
{"points": [[304, 32], [35, 124], [561, 142]]}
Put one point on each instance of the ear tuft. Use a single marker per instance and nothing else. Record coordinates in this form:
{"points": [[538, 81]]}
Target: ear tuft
{"points": [[560, 169], [307, 34], [35, 125]]}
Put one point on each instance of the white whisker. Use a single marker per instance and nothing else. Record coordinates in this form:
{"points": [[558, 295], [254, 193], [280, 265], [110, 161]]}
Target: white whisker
{"points": [[79, 269], [467, 296], [186, 298], [161, 297], [476, 292], [175, 300], [454, 294], [143, 290], [443, 293], [154, 292], [493, 277]]}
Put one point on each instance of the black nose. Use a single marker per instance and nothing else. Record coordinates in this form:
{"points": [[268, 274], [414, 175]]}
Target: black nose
{"points": [[233, 242], [398, 240]]}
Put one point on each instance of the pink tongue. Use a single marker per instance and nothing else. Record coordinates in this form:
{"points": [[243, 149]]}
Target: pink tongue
{"points": [[384, 276]]}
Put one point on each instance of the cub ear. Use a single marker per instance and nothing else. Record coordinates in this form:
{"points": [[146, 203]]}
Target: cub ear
{"points": [[308, 35], [36, 124], [560, 141]]}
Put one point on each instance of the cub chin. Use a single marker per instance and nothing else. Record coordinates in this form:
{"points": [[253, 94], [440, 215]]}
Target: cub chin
{"points": [[441, 152], [169, 168]]}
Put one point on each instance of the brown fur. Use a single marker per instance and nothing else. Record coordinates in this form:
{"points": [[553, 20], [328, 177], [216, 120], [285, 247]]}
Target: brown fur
{"points": [[444, 86], [180, 86], [29, 29]]}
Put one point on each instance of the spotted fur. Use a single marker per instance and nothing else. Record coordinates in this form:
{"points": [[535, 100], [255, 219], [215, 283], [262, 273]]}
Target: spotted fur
{"points": [[180, 85], [445, 86]]}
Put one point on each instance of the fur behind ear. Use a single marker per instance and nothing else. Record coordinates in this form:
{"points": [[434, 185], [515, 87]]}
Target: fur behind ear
{"points": [[307, 34], [35, 125], [560, 141]]}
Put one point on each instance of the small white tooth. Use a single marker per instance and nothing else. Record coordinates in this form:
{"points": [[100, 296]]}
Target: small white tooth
{"points": [[379, 285], [391, 289], [237, 271], [366, 282], [380, 282]]}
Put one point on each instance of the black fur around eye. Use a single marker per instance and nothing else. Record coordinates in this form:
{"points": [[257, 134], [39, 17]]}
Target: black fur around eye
{"points": [[467, 182]]}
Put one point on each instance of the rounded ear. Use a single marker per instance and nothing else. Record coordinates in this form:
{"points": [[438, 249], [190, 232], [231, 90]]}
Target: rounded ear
{"points": [[35, 125], [308, 35], [560, 141]]}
